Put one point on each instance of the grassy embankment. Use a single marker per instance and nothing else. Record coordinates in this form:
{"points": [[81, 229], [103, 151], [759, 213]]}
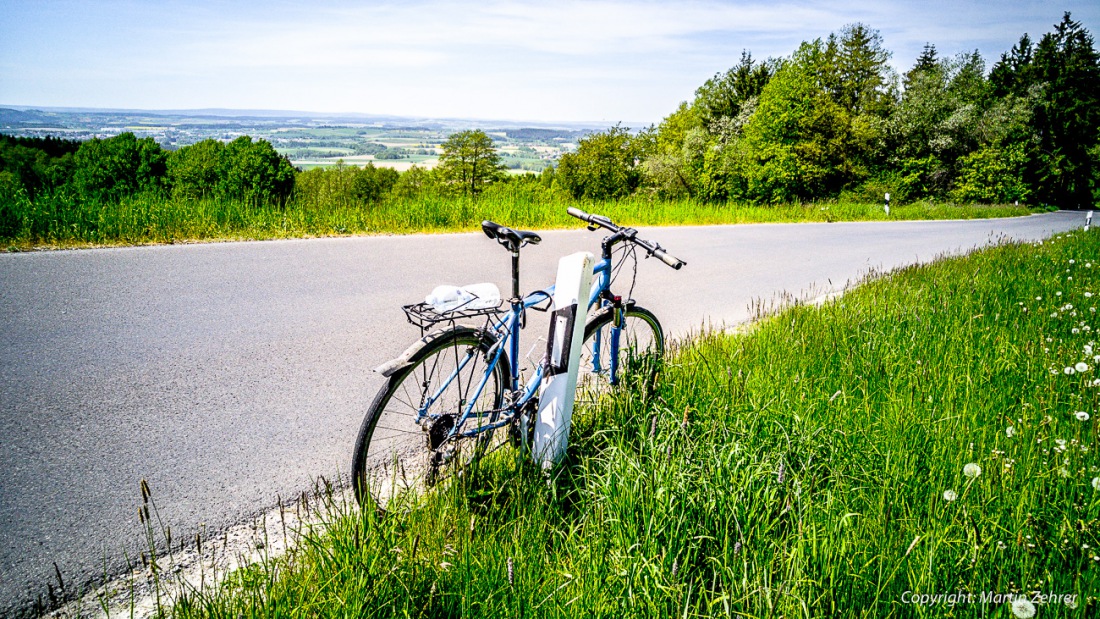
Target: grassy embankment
{"points": [[814, 466], [58, 222]]}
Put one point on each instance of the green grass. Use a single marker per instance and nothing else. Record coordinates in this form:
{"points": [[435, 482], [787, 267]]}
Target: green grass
{"points": [[62, 221], [798, 469]]}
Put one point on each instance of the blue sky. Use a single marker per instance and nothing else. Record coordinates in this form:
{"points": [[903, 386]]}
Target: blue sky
{"points": [[604, 61]]}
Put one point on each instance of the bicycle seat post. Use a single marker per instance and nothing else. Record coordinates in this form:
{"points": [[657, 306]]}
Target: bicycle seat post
{"points": [[516, 299]]}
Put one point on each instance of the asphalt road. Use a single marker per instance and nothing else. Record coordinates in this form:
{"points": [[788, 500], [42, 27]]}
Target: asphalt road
{"points": [[228, 374]]}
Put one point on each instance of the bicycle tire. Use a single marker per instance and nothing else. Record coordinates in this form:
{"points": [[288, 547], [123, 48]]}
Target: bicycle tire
{"points": [[641, 346], [401, 455]]}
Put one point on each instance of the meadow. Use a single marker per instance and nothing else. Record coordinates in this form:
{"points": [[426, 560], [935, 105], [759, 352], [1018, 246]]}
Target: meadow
{"points": [[923, 446], [60, 220]]}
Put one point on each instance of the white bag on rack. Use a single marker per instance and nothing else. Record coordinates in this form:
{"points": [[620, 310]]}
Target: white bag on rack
{"points": [[447, 298]]}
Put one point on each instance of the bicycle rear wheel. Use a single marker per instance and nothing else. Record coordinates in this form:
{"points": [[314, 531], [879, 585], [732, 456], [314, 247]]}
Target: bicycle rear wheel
{"points": [[395, 450], [641, 346]]}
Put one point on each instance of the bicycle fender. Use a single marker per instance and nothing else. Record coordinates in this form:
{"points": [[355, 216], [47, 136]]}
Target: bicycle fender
{"points": [[408, 357]]}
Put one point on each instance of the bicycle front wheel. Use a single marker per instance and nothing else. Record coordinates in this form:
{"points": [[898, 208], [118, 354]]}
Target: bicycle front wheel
{"points": [[407, 438], [640, 347]]}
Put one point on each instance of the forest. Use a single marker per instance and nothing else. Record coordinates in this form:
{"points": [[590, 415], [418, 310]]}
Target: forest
{"points": [[831, 122]]}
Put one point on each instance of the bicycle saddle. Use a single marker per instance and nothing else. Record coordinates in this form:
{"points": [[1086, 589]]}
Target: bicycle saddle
{"points": [[512, 239]]}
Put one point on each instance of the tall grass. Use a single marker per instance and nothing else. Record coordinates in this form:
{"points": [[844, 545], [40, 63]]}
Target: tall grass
{"points": [[64, 220], [814, 466]]}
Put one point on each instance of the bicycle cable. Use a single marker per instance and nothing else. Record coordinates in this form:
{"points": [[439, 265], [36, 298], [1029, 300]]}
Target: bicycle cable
{"points": [[628, 251]]}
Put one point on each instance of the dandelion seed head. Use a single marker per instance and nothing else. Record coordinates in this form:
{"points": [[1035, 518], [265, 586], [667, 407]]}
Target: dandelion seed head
{"points": [[1023, 608], [1069, 371], [1075, 330], [972, 470], [1010, 431], [1081, 416], [1096, 483], [951, 495], [1081, 365]]}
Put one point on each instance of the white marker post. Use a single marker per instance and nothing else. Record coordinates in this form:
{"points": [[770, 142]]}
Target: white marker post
{"points": [[887, 204], [559, 385], [1088, 220]]}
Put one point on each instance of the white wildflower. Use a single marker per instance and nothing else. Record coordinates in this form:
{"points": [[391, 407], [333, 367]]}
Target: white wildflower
{"points": [[972, 470], [1096, 483], [1081, 416], [951, 495], [1010, 431], [1081, 365], [1069, 371]]}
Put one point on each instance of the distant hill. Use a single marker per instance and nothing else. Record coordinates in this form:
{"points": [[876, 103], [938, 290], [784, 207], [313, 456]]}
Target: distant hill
{"points": [[20, 118]]}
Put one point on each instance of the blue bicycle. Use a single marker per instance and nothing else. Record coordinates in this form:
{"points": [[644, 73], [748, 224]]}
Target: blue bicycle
{"points": [[449, 393]]}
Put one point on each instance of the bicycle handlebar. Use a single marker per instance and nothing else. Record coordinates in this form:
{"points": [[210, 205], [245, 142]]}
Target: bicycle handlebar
{"points": [[652, 249]]}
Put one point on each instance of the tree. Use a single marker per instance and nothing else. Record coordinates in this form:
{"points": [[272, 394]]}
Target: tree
{"points": [[992, 175], [819, 122], [1014, 72], [865, 82], [927, 61], [469, 161], [117, 167], [1067, 119], [371, 184], [604, 166], [723, 95], [255, 172], [415, 182], [196, 171]]}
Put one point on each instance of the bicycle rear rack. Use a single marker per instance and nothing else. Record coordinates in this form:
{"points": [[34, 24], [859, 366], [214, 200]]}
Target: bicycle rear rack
{"points": [[423, 315]]}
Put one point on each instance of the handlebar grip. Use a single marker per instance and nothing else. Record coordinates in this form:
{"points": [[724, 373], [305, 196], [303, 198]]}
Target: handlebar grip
{"points": [[669, 259], [578, 213]]}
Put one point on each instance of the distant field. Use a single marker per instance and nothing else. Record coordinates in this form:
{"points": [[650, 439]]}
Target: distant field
{"points": [[401, 165]]}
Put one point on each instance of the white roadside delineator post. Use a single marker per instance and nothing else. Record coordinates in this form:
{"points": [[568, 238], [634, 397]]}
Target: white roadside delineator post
{"points": [[564, 344], [1088, 220]]}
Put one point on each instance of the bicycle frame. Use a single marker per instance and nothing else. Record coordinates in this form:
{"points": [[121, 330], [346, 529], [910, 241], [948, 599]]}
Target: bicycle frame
{"points": [[507, 330]]}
